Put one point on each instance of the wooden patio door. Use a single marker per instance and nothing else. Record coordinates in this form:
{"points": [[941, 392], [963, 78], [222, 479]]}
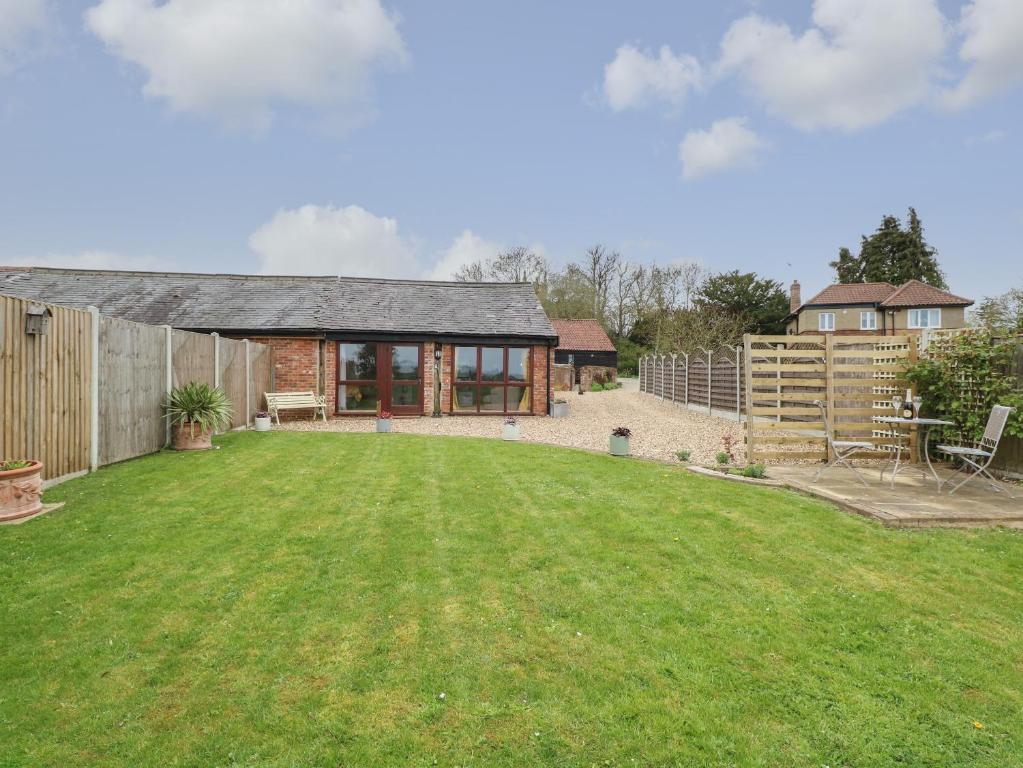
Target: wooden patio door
{"points": [[401, 378]]}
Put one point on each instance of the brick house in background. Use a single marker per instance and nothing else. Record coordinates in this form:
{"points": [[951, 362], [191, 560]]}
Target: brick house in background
{"points": [[361, 342], [875, 308]]}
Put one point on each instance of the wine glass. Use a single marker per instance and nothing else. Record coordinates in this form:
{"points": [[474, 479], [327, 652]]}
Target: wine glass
{"points": [[917, 402], [897, 403]]}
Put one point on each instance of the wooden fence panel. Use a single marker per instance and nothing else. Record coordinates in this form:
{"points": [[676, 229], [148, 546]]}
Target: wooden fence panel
{"points": [[193, 358], [232, 378], [45, 385], [699, 392], [262, 376], [132, 386], [855, 376]]}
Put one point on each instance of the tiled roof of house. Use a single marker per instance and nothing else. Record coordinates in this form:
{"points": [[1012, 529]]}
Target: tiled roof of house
{"points": [[917, 294], [582, 336], [288, 304], [852, 293], [909, 294]]}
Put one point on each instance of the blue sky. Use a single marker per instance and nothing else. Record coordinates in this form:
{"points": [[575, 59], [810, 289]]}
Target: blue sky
{"points": [[402, 138]]}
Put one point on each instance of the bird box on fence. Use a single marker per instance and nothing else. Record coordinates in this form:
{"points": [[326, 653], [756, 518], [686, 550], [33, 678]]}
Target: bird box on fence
{"points": [[37, 319]]}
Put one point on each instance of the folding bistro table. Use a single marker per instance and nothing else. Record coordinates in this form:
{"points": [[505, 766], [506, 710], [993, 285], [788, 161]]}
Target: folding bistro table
{"points": [[925, 426]]}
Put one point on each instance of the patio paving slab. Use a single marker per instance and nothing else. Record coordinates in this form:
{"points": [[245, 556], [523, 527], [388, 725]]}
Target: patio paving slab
{"points": [[913, 502]]}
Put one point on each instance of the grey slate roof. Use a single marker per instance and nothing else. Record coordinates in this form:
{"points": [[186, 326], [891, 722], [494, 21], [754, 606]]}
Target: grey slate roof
{"points": [[263, 303]]}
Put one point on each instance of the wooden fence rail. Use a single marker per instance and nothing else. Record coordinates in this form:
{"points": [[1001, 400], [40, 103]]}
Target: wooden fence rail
{"points": [[89, 391], [708, 380]]}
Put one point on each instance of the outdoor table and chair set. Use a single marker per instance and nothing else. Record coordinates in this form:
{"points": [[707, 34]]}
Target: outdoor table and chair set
{"points": [[974, 460]]}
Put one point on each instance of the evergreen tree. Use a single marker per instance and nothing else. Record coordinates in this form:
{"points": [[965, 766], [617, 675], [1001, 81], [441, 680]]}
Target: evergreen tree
{"points": [[761, 301], [892, 255]]}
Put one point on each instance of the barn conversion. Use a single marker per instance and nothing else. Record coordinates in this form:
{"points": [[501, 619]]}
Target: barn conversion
{"points": [[411, 347]]}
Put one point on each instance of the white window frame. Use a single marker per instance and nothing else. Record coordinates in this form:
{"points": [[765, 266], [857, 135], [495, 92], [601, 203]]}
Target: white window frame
{"points": [[868, 321], [821, 325], [919, 320]]}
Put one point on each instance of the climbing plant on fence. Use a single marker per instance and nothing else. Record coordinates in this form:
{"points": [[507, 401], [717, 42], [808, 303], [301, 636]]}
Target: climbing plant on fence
{"points": [[962, 377]]}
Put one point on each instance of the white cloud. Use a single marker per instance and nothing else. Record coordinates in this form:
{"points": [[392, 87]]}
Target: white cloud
{"points": [[635, 78], [992, 136], [93, 260], [465, 249], [728, 144], [862, 62], [22, 22], [993, 45], [236, 59], [325, 240]]}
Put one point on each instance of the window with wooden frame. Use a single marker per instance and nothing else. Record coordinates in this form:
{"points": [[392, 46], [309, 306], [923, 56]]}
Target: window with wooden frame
{"points": [[357, 388], [492, 379]]}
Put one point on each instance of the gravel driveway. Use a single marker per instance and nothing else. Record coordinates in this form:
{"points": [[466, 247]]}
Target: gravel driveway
{"points": [[659, 429]]}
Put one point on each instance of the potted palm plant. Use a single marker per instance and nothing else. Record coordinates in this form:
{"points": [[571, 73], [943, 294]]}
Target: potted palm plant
{"points": [[21, 488], [383, 421], [510, 430], [262, 421], [620, 441], [197, 410]]}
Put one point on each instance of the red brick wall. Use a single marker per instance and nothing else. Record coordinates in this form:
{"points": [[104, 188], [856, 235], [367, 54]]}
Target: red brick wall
{"points": [[295, 368], [298, 367], [540, 379]]}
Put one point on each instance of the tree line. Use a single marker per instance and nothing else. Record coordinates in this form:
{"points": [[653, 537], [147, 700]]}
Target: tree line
{"points": [[683, 307]]}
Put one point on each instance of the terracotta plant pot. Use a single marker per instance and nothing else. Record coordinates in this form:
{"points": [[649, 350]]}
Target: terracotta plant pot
{"points": [[187, 439], [21, 491]]}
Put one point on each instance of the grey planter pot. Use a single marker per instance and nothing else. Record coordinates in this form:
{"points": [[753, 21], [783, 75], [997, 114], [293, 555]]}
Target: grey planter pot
{"points": [[559, 410], [262, 425], [383, 425], [510, 432], [619, 446]]}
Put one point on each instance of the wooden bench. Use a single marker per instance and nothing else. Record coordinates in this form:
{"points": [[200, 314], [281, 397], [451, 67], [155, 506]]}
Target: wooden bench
{"points": [[289, 401]]}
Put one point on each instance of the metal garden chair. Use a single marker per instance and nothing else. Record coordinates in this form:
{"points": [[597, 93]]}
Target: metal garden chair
{"points": [[842, 449], [976, 459]]}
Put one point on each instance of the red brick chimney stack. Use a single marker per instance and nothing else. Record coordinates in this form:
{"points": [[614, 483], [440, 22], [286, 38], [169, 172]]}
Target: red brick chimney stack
{"points": [[795, 299]]}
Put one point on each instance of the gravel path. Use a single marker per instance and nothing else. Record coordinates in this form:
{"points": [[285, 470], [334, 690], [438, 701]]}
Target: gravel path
{"points": [[659, 429]]}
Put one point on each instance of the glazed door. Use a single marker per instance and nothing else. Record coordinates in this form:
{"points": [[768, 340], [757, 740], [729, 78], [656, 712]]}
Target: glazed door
{"points": [[402, 374]]}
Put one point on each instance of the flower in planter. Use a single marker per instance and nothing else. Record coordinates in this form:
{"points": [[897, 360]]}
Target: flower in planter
{"points": [[622, 432], [262, 415], [384, 415], [511, 421]]}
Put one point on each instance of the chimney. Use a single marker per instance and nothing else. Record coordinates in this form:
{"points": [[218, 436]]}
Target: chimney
{"points": [[795, 299]]}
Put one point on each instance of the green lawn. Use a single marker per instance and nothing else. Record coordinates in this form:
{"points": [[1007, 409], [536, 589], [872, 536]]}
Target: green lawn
{"points": [[305, 599]]}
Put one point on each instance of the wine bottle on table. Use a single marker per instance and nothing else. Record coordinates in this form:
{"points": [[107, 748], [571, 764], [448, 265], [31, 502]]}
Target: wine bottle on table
{"points": [[907, 405]]}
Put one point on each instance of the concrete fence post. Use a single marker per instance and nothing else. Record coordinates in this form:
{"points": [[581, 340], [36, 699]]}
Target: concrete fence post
{"points": [[169, 381], [641, 365], [94, 322], [249, 379], [664, 359]]}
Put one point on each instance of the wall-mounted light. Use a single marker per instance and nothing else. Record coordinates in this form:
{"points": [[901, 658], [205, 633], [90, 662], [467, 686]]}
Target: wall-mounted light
{"points": [[37, 319]]}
